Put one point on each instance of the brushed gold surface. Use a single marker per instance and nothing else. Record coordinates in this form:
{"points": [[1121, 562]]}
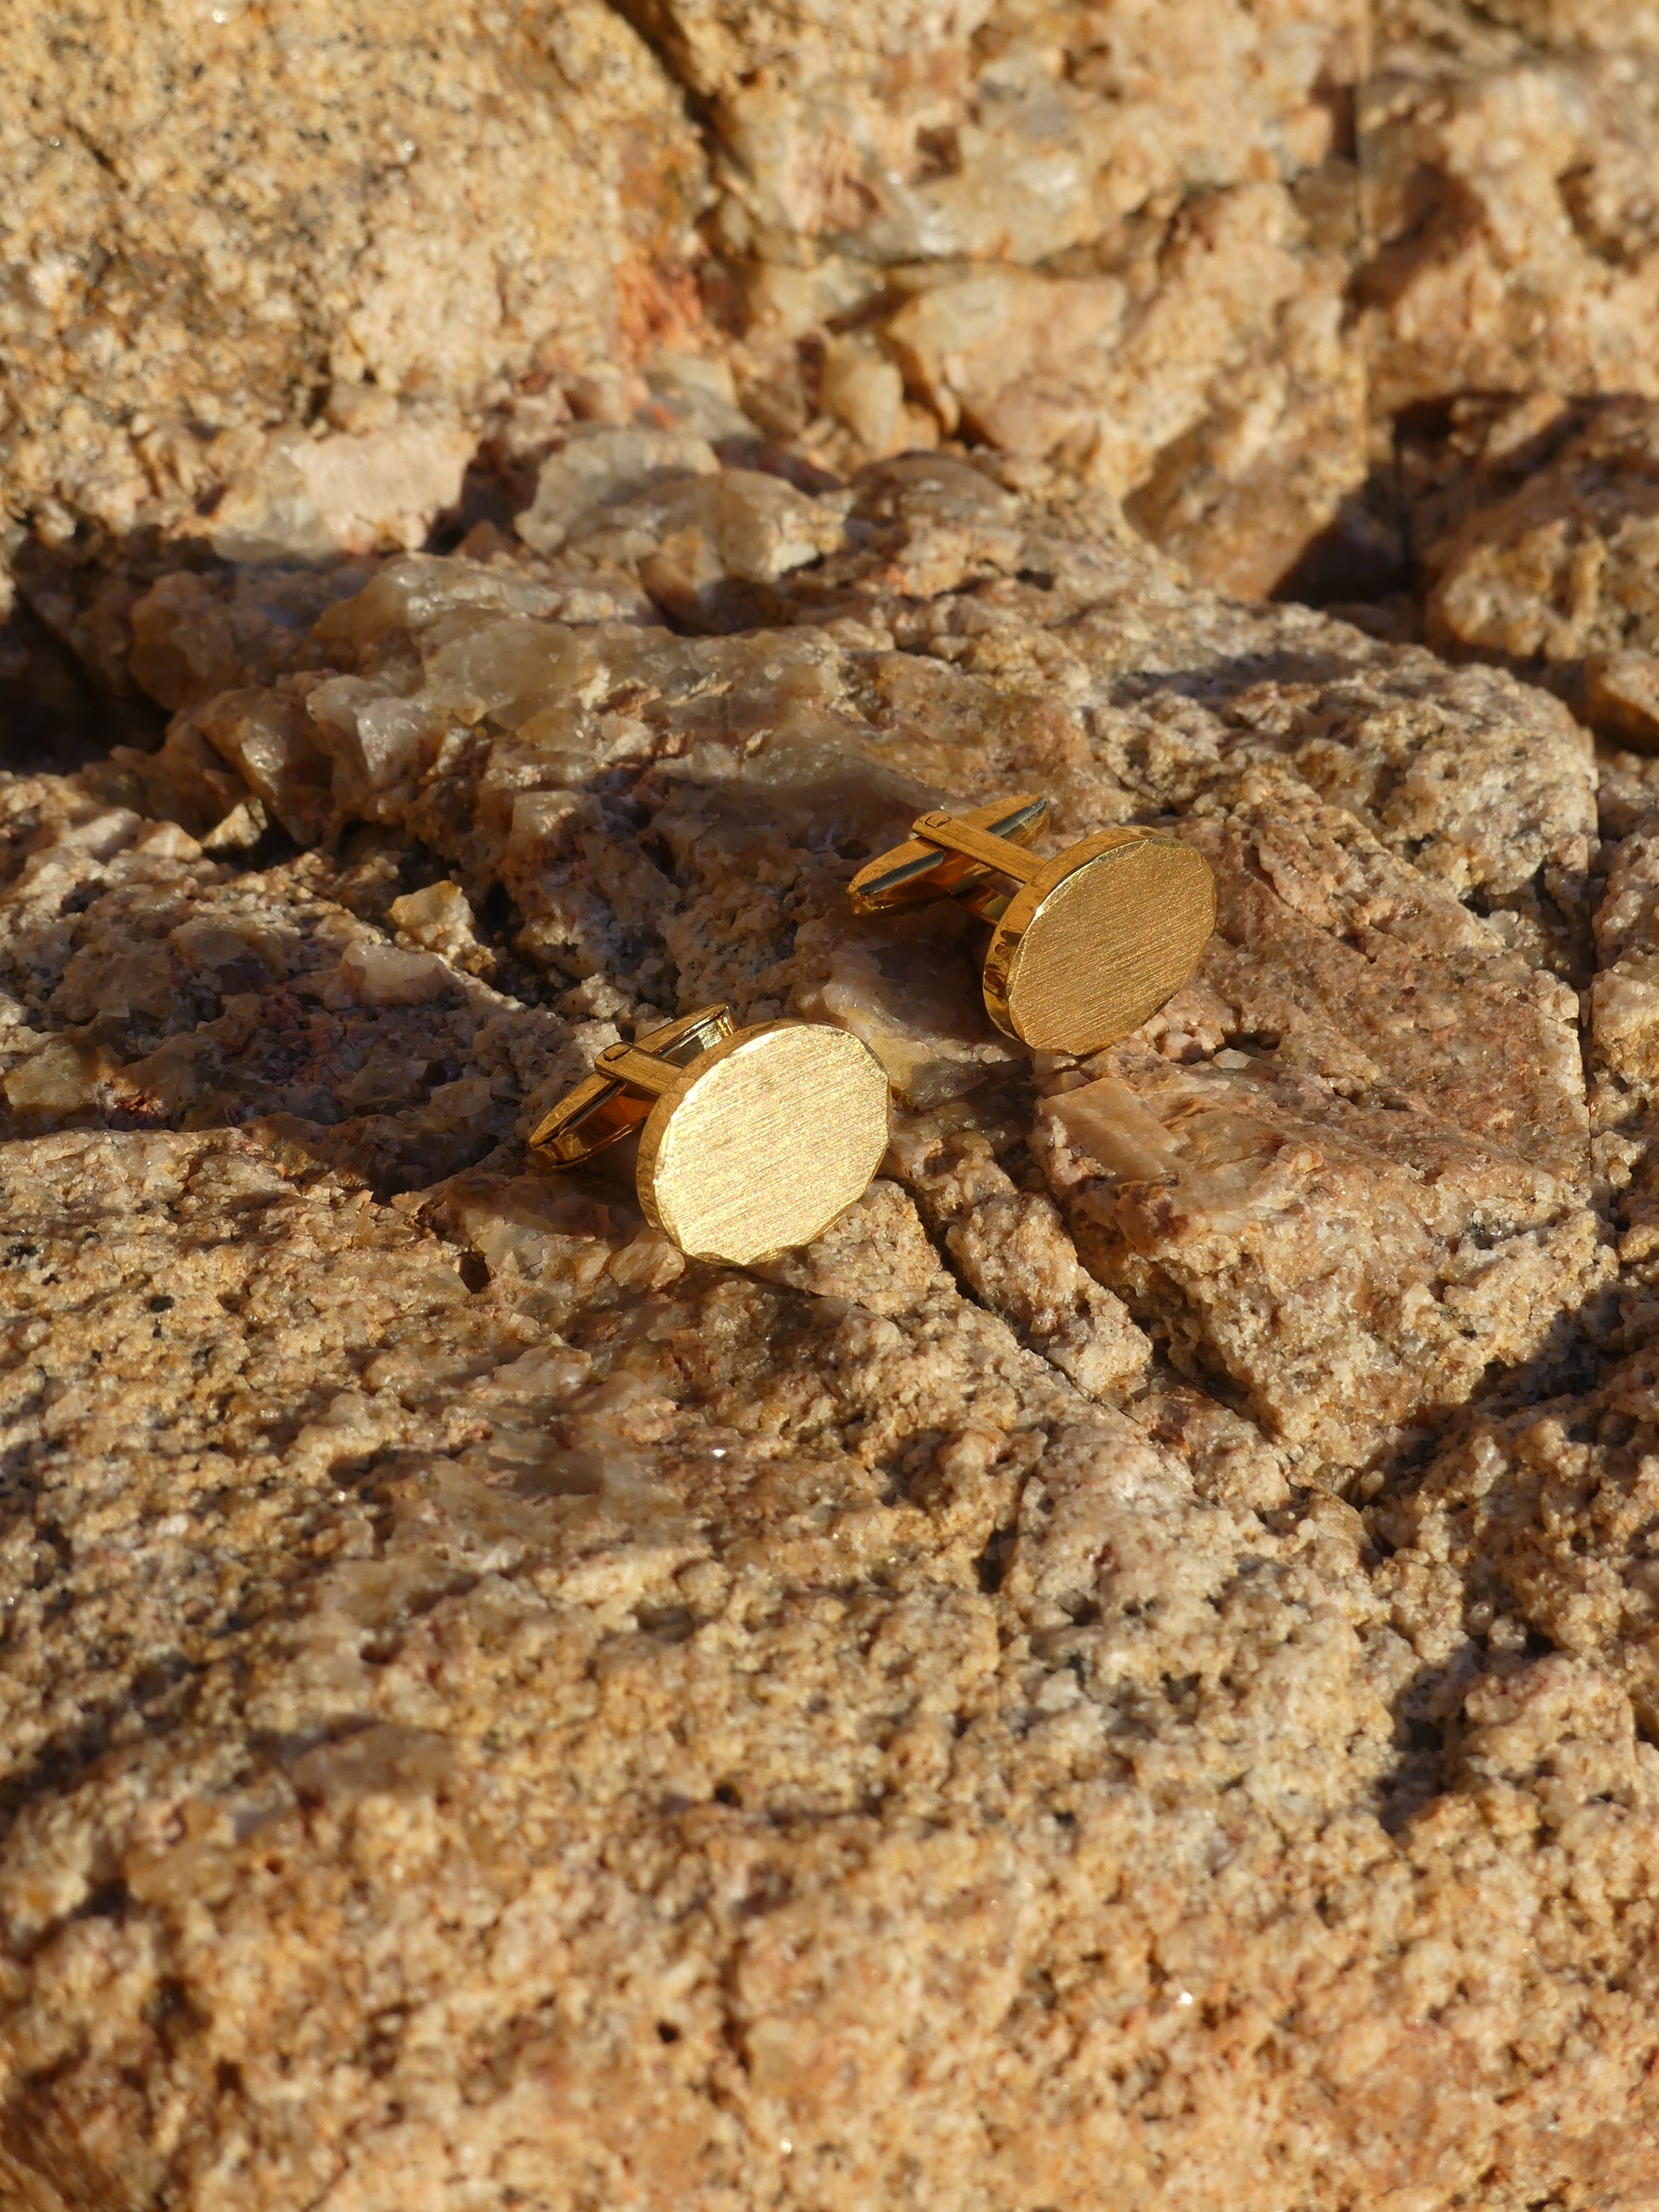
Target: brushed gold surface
{"points": [[1095, 944], [763, 1142]]}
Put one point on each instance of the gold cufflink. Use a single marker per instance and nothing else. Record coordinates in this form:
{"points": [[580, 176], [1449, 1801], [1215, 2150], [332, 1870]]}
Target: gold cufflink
{"points": [[751, 1141], [1084, 947]]}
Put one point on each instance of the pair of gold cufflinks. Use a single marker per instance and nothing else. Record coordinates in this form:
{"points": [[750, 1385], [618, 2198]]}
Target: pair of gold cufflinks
{"points": [[753, 1141]]}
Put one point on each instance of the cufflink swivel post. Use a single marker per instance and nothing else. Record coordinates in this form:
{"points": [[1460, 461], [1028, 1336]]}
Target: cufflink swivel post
{"points": [[1085, 946], [751, 1141]]}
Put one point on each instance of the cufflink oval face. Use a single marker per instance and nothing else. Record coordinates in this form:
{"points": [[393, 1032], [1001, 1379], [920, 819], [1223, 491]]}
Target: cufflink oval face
{"points": [[751, 1141], [1084, 947]]}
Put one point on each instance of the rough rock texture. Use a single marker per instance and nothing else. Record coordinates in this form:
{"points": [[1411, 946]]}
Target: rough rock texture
{"points": [[652, 1800], [1537, 524], [1510, 170], [1122, 1678], [279, 314], [497, 1714], [1201, 254], [1119, 235], [150, 982], [1356, 1223], [1009, 130], [214, 216]]}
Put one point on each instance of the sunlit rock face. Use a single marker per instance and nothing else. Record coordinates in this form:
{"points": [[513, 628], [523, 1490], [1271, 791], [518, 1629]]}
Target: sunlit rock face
{"points": [[1120, 1677], [1510, 158], [561, 1681], [280, 316], [674, 820], [1537, 523], [1117, 237], [217, 217], [1199, 255]]}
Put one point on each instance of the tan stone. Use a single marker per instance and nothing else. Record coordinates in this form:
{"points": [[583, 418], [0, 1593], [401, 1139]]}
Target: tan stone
{"points": [[943, 1707], [207, 211], [1511, 219], [496, 1712], [605, 463], [760, 759], [181, 991], [998, 133], [1622, 1006], [1071, 230], [1344, 1209], [866, 391], [1621, 696], [408, 1619], [194, 636], [307, 498], [1221, 392], [1539, 540], [1540, 1509]]}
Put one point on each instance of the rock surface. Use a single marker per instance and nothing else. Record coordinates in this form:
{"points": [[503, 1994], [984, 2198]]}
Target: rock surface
{"points": [[413, 212], [1123, 1677], [1538, 534], [498, 1713], [1509, 205], [281, 315]]}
